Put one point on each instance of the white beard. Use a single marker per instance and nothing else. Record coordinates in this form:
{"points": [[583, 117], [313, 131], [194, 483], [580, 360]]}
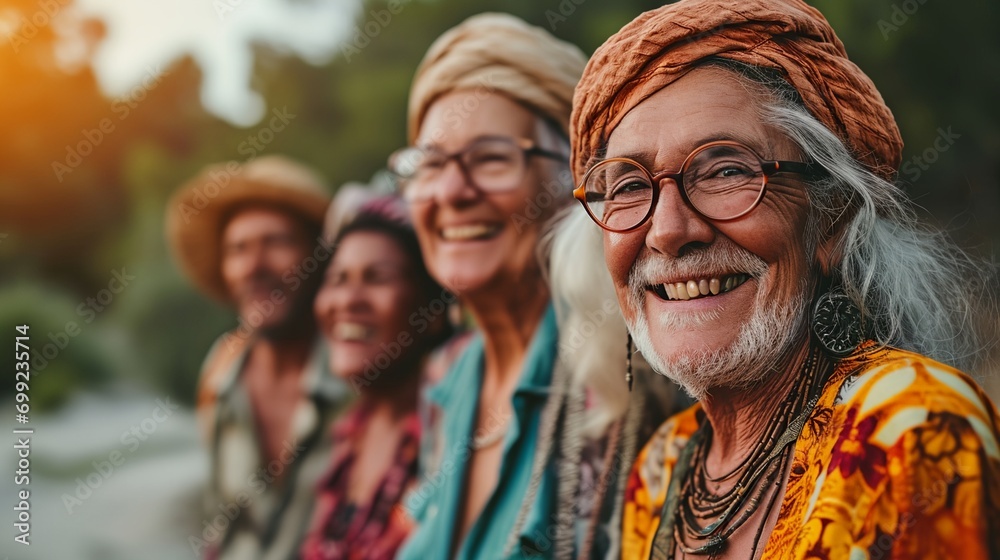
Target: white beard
{"points": [[773, 328]]}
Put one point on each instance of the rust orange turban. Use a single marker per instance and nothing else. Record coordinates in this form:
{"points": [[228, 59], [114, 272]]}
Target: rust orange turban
{"points": [[499, 52], [662, 45]]}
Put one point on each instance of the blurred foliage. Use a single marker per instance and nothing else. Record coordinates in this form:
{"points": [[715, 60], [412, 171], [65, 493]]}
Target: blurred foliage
{"points": [[937, 64]]}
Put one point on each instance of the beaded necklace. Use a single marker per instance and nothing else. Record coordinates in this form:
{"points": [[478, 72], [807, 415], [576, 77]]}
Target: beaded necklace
{"points": [[692, 513]]}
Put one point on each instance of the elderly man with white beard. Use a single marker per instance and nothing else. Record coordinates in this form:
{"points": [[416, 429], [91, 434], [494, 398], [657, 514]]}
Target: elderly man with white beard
{"points": [[742, 170]]}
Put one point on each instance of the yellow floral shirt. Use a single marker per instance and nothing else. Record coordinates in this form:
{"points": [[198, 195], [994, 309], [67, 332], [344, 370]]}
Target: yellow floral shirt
{"points": [[899, 459]]}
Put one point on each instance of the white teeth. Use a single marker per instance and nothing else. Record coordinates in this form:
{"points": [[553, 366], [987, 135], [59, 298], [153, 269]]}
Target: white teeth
{"points": [[702, 287], [351, 331], [471, 231]]}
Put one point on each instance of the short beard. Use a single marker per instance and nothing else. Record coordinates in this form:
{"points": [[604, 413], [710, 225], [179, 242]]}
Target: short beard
{"points": [[771, 332]]}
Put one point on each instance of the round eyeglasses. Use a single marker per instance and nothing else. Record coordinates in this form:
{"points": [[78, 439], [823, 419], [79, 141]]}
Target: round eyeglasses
{"points": [[720, 180], [489, 163]]}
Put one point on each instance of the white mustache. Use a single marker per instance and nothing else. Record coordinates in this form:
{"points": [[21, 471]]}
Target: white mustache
{"points": [[715, 260]]}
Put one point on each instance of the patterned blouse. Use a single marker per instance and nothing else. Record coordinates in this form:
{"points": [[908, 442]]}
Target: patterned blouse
{"points": [[899, 459], [342, 530]]}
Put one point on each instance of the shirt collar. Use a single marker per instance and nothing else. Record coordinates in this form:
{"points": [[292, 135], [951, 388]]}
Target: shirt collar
{"points": [[317, 380], [536, 379], [536, 375]]}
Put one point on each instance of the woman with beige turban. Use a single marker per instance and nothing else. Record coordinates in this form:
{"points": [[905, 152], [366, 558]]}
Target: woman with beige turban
{"points": [[485, 174], [741, 168]]}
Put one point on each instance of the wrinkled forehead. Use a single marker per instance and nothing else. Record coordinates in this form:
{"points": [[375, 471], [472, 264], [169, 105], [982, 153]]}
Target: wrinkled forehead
{"points": [[705, 105], [457, 118]]}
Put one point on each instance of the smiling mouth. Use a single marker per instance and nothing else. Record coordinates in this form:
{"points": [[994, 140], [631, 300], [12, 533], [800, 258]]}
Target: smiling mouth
{"points": [[697, 289], [352, 332], [469, 232]]}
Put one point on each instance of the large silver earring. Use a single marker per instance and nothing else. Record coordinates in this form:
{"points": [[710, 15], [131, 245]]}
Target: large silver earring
{"points": [[837, 324], [628, 361]]}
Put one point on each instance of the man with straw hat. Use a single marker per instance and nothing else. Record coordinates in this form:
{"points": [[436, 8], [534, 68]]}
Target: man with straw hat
{"points": [[248, 235]]}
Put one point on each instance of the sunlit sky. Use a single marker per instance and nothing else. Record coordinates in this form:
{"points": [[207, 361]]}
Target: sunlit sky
{"points": [[146, 36]]}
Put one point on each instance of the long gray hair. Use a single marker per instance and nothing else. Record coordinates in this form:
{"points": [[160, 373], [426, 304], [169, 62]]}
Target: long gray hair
{"points": [[591, 328], [916, 289]]}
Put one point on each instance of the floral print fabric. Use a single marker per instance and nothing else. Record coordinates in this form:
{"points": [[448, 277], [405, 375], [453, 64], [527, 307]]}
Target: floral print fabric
{"points": [[342, 530], [899, 459]]}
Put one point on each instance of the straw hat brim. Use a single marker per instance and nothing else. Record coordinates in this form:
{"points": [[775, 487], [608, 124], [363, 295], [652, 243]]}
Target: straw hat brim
{"points": [[197, 212]]}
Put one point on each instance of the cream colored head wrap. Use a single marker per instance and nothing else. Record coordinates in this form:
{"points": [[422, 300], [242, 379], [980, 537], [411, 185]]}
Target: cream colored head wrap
{"points": [[499, 52]]}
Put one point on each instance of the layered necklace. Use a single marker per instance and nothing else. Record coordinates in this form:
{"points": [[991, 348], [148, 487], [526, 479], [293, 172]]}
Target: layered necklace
{"points": [[699, 520]]}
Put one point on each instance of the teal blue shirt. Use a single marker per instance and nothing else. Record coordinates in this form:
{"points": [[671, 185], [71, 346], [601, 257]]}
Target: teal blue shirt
{"points": [[434, 504]]}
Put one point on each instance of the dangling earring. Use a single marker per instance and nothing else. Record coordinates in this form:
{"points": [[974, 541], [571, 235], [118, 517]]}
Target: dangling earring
{"points": [[628, 361], [455, 315], [837, 323]]}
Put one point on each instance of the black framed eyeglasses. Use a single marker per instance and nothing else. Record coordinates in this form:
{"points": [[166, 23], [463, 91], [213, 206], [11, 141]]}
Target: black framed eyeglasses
{"points": [[489, 163], [721, 180]]}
